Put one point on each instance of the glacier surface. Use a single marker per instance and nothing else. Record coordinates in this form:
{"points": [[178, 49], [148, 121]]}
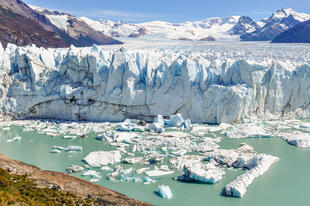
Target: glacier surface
{"points": [[220, 82]]}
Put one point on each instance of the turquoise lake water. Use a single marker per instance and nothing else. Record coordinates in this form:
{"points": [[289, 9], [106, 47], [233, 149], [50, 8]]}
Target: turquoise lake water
{"points": [[287, 182]]}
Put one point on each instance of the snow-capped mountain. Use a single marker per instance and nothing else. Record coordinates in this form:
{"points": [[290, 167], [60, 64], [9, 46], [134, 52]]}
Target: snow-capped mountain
{"points": [[116, 29], [77, 29], [279, 21], [245, 25], [217, 27]]}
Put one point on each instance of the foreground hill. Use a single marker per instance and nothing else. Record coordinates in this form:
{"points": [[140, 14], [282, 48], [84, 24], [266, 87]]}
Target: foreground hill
{"points": [[23, 184], [298, 34], [21, 25]]}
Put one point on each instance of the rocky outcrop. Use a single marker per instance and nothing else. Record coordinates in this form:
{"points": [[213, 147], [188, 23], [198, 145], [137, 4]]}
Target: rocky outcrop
{"points": [[111, 84]]}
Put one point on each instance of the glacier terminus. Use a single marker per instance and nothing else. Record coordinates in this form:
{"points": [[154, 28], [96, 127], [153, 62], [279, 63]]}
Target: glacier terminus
{"points": [[206, 82]]}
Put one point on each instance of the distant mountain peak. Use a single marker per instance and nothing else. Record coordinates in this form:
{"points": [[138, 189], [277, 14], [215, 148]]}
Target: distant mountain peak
{"points": [[284, 13]]}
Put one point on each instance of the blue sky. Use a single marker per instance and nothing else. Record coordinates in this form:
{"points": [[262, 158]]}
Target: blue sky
{"points": [[170, 10]]}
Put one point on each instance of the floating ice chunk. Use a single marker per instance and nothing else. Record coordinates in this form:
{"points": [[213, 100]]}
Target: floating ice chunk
{"points": [[6, 128], [106, 168], [158, 124], [55, 151], [100, 137], [164, 192], [246, 131], [133, 160], [242, 157], [70, 137], [206, 173], [59, 148], [157, 127], [95, 176], [157, 173], [128, 126], [125, 137], [15, 139], [305, 125], [75, 169], [164, 167], [175, 121], [187, 124], [296, 138], [102, 158], [179, 162], [237, 188], [74, 148], [142, 170]]}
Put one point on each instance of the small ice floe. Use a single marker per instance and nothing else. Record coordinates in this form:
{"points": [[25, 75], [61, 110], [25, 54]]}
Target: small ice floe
{"points": [[125, 137], [125, 175], [242, 157], [247, 130], [296, 138], [158, 124], [164, 192], [59, 148], [70, 137], [74, 148], [6, 128], [15, 139], [178, 121], [206, 173], [133, 160], [158, 173], [56, 151], [75, 169], [142, 170], [106, 168], [95, 176], [129, 126], [102, 158]]}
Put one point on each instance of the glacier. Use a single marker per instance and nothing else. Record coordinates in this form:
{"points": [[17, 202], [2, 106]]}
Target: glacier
{"points": [[220, 82]]}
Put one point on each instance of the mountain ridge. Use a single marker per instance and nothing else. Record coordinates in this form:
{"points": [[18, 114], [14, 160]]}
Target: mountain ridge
{"points": [[21, 25]]}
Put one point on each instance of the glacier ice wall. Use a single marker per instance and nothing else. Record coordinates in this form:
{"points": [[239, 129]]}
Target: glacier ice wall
{"points": [[212, 84]]}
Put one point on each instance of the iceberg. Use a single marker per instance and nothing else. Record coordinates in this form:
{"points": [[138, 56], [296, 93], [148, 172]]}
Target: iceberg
{"points": [[164, 192], [56, 151], [242, 157], [157, 173], [237, 188], [175, 121], [103, 158], [70, 137], [296, 138], [206, 173], [74, 148]]}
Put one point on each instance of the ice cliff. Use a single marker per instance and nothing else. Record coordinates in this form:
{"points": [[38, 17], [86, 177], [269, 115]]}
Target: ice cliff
{"points": [[205, 82]]}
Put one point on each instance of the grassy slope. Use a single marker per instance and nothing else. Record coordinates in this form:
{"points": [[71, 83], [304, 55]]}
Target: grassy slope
{"points": [[19, 190]]}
